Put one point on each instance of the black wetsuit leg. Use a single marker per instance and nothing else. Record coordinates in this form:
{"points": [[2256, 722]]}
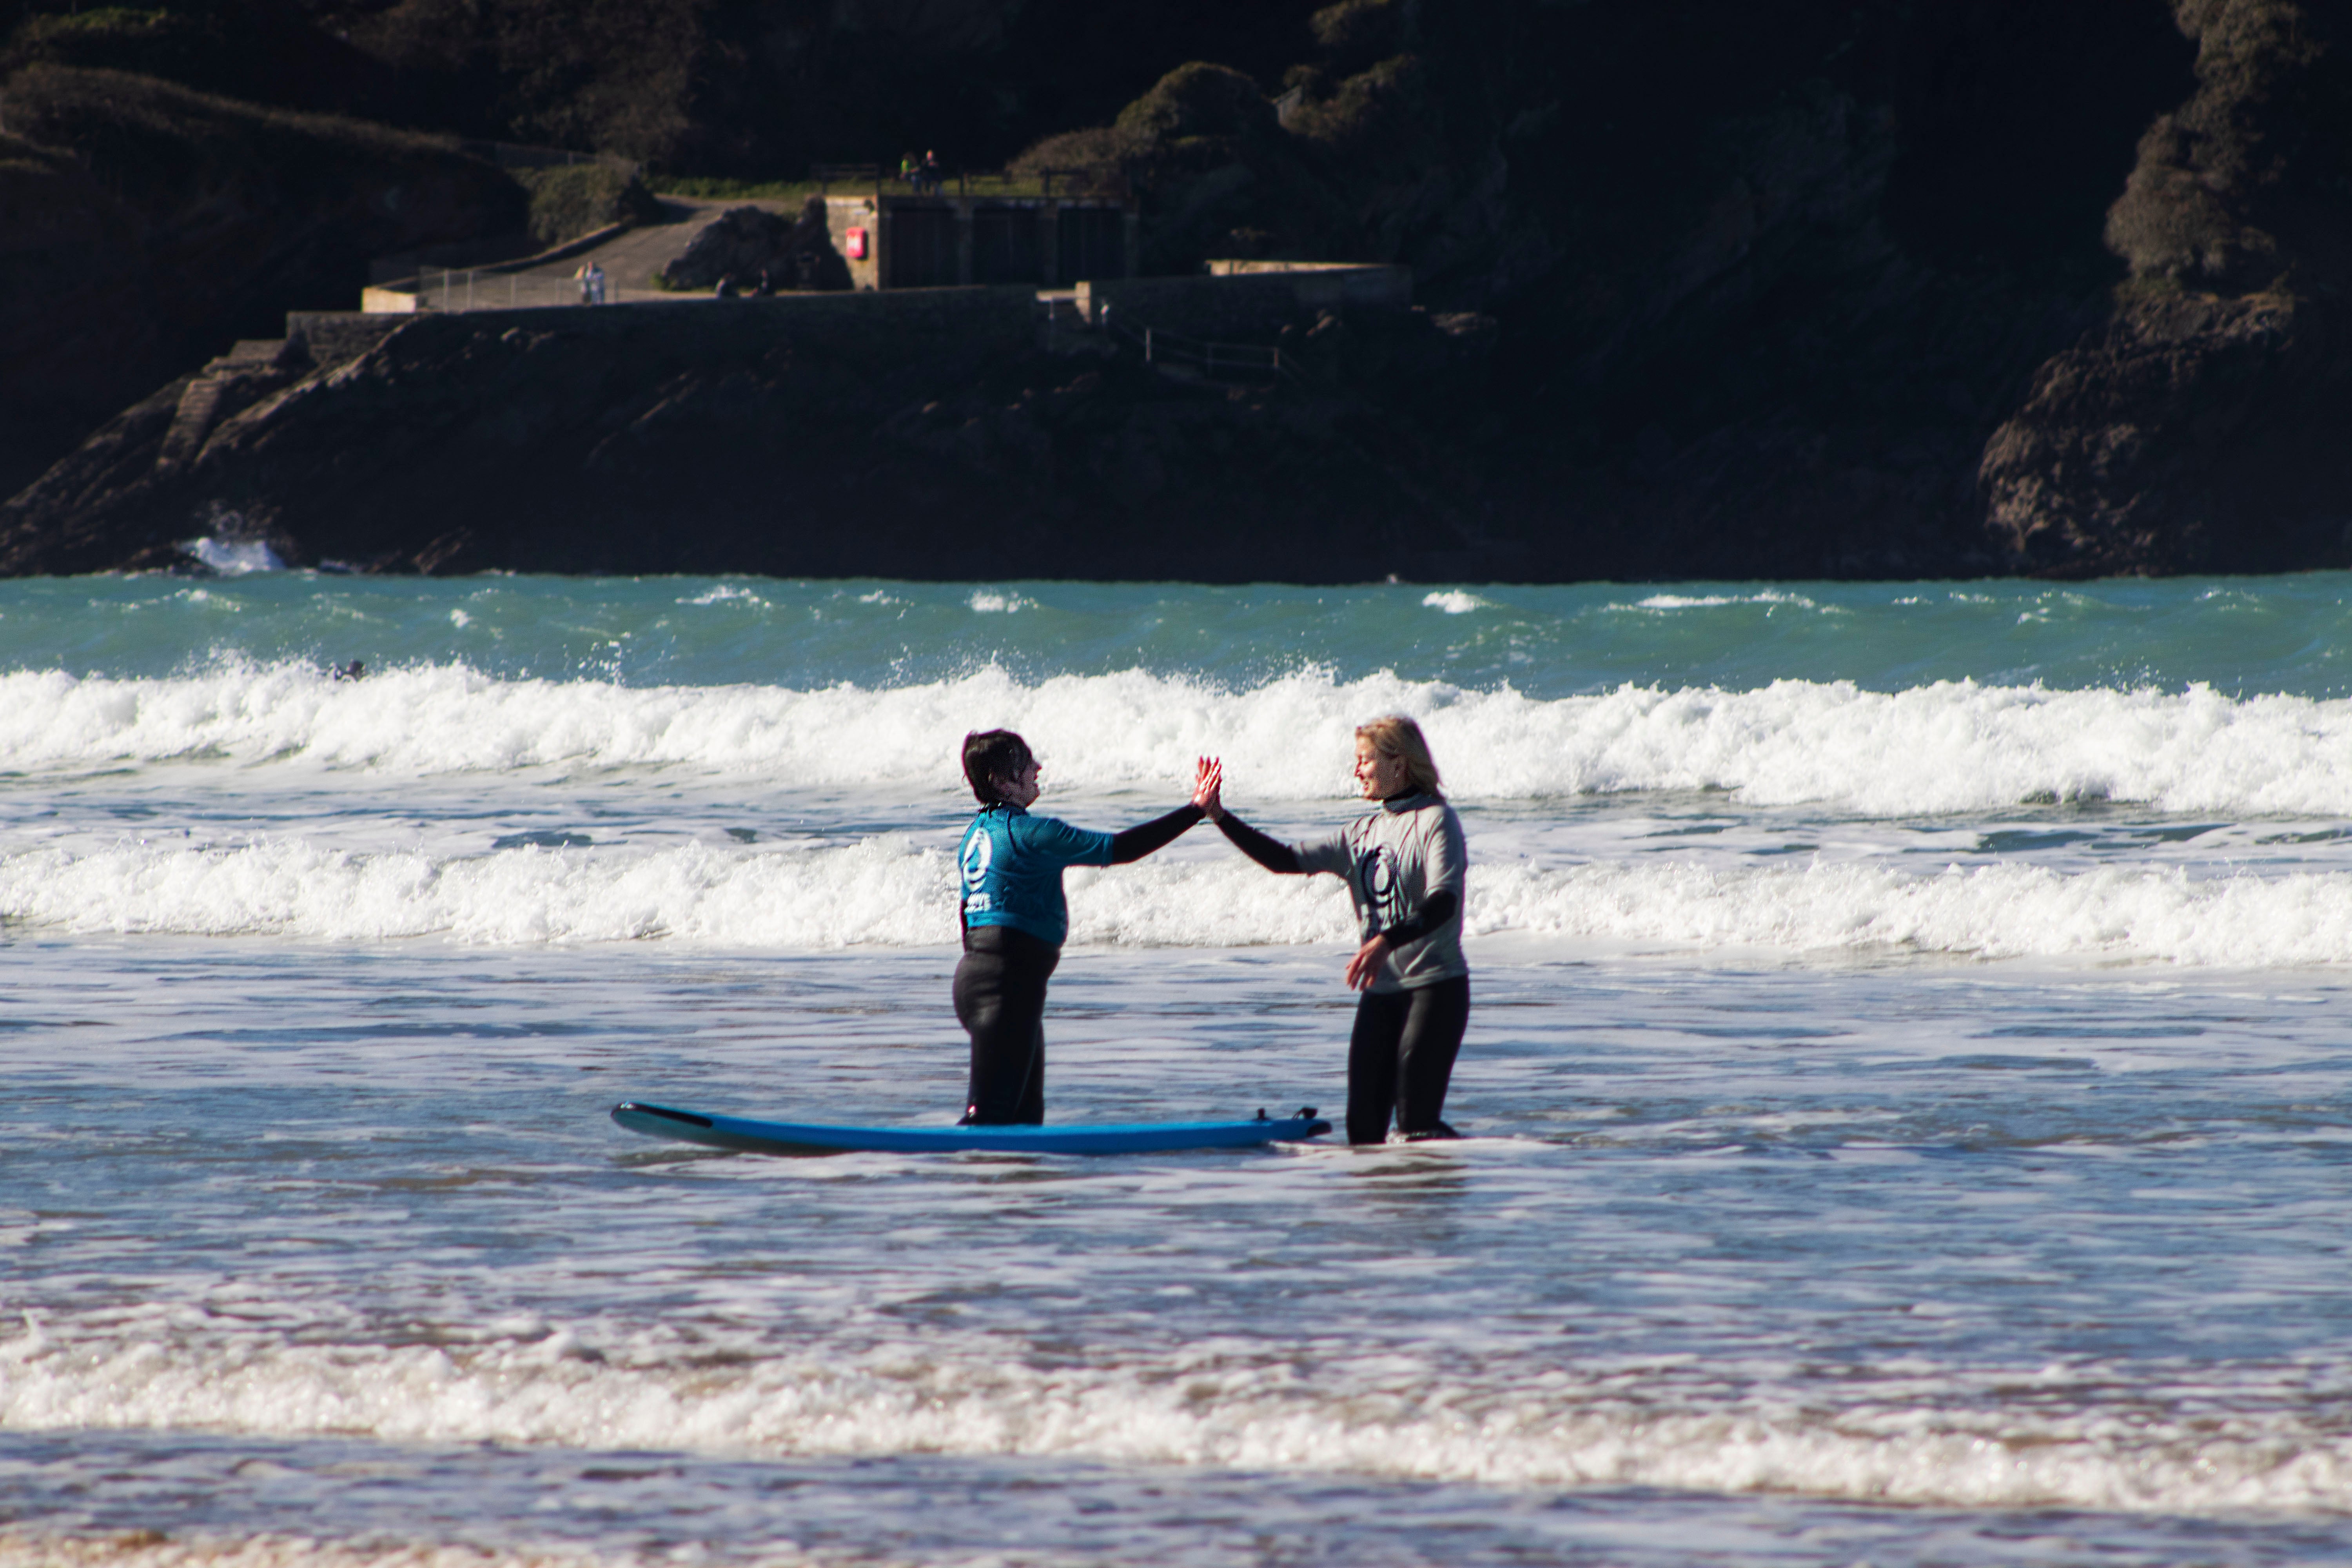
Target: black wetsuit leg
{"points": [[999, 999], [1401, 1058]]}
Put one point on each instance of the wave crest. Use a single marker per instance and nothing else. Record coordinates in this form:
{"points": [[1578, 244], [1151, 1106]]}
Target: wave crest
{"points": [[1894, 1443], [894, 891], [1944, 748]]}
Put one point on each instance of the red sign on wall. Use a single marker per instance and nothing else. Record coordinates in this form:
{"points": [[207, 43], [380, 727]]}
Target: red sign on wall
{"points": [[856, 244]]}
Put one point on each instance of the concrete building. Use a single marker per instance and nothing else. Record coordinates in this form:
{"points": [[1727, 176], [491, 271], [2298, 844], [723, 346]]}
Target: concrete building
{"points": [[893, 240]]}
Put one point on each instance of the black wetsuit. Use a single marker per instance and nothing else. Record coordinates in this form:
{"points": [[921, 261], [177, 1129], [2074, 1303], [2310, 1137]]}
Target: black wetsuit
{"points": [[1409, 1026], [1000, 993]]}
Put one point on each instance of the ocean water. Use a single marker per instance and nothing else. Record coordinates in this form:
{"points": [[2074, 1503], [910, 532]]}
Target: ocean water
{"points": [[1907, 1084]]}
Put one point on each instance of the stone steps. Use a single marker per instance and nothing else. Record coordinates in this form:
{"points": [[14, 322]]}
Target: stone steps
{"points": [[200, 401]]}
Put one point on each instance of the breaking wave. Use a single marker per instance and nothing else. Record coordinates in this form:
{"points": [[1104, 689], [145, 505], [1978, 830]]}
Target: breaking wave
{"points": [[2012, 1437], [892, 890], [1942, 748]]}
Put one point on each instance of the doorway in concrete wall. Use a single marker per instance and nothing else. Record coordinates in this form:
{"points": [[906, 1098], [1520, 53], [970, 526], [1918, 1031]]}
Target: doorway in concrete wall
{"points": [[922, 247], [1006, 246], [1093, 244]]}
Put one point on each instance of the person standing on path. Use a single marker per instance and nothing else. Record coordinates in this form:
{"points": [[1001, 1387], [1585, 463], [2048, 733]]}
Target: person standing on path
{"points": [[1406, 866], [1015, 918]]}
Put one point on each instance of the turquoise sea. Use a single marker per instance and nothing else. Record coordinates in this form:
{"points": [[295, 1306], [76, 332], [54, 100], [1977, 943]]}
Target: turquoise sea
{"points": [[1907, 1084]]}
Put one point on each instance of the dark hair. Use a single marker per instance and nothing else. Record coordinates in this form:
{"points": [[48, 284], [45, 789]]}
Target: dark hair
{"points": [[991, 756]]}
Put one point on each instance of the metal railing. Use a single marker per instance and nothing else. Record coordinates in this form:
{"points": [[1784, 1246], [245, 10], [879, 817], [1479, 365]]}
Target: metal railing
{"points": [[1106, 183], [824, 176], [1175, 353], [453, 290], [1208, 360]]}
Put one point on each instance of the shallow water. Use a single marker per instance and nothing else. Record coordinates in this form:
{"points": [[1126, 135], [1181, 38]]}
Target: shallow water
{"points": [[1906, 1100]]}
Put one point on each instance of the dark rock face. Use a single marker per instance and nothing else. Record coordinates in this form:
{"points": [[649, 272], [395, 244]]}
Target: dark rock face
{"points": [[144, 227], [838, 435], [1769, 277], [2204, 428], [71, 351], [2196, 433]]}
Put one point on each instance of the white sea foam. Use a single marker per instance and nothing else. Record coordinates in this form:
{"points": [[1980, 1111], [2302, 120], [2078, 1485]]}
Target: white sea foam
{"points": [[879, 891], [2012, 1437], [1947, 747], [30, 1548], [234, 557], [895, 891], [1454, 601], [1718, 601], [726, 592]]}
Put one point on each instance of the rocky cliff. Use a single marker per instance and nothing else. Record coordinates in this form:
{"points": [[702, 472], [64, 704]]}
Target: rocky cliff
{"points": [[908, 436], [2202, 427], [1935, 287], [144, 227]]}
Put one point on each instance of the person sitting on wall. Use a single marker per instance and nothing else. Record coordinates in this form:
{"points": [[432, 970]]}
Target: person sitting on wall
{"points": [[728, 288], [766, 287], [931, 172]]}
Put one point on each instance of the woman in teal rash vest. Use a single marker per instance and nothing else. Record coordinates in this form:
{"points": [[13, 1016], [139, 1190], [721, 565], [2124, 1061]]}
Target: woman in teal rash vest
{"points": [[1015, 918], [1404, 863]]}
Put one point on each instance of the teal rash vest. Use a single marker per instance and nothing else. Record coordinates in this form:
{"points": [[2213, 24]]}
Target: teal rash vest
{"points": [[1011, 864]]}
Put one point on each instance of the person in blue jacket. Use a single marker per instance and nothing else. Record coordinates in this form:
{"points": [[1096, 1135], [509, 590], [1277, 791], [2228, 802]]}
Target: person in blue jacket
{"points": [[1015, 918]]}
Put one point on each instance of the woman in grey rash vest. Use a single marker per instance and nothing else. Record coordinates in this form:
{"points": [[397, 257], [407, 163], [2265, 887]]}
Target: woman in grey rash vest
{"points": [[1404, 866], [1015, 918]]}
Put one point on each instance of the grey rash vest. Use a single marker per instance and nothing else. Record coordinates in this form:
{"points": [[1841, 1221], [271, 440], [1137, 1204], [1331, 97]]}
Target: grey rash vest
{"points": [[1392, 859]]}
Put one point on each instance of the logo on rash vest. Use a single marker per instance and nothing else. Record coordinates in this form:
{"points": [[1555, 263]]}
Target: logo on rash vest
{"points": [[1383, 889], [979, 850]]}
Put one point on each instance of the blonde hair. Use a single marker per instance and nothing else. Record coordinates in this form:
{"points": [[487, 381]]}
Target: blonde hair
{"points": [[1400, 738]]}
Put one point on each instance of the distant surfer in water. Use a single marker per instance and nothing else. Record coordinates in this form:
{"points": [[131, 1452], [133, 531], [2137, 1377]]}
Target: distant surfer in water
{"points": [[1015, 918], [1404, 866]]}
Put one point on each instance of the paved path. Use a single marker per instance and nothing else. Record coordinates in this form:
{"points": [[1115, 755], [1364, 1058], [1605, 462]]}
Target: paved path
{"points": [[630, 260]]}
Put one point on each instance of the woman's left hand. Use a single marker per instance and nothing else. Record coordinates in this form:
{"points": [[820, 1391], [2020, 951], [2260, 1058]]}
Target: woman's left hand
{"points": [[1365, 967], [1208, 787]]}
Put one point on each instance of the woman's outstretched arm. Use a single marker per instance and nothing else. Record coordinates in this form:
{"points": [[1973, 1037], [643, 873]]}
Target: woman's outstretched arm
{"points": [[1272, 853], [1130, 844], [1135, 842]]}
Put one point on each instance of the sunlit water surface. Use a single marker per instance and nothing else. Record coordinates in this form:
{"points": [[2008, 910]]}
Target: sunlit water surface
{"points": [[1906, 1088]]}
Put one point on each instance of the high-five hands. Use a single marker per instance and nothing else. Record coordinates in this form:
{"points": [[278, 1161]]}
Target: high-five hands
{"points": [[1208, 787]]}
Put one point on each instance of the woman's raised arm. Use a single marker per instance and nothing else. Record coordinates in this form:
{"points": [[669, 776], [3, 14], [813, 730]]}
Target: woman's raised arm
{"points": [[1133, 844], [1272, 853]]}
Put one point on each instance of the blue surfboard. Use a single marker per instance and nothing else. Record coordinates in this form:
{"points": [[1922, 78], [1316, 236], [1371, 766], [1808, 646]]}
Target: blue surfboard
{"points": [[749, 1137]]}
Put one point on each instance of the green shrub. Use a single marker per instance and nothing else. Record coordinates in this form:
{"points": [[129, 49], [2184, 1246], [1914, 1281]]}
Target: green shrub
{"points": [[710, 188], [1385, 110], [581, 198], [1102, 147], [1355, 32], [1199, 100], [249, 178], [2245, 181], [119, 38]]}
